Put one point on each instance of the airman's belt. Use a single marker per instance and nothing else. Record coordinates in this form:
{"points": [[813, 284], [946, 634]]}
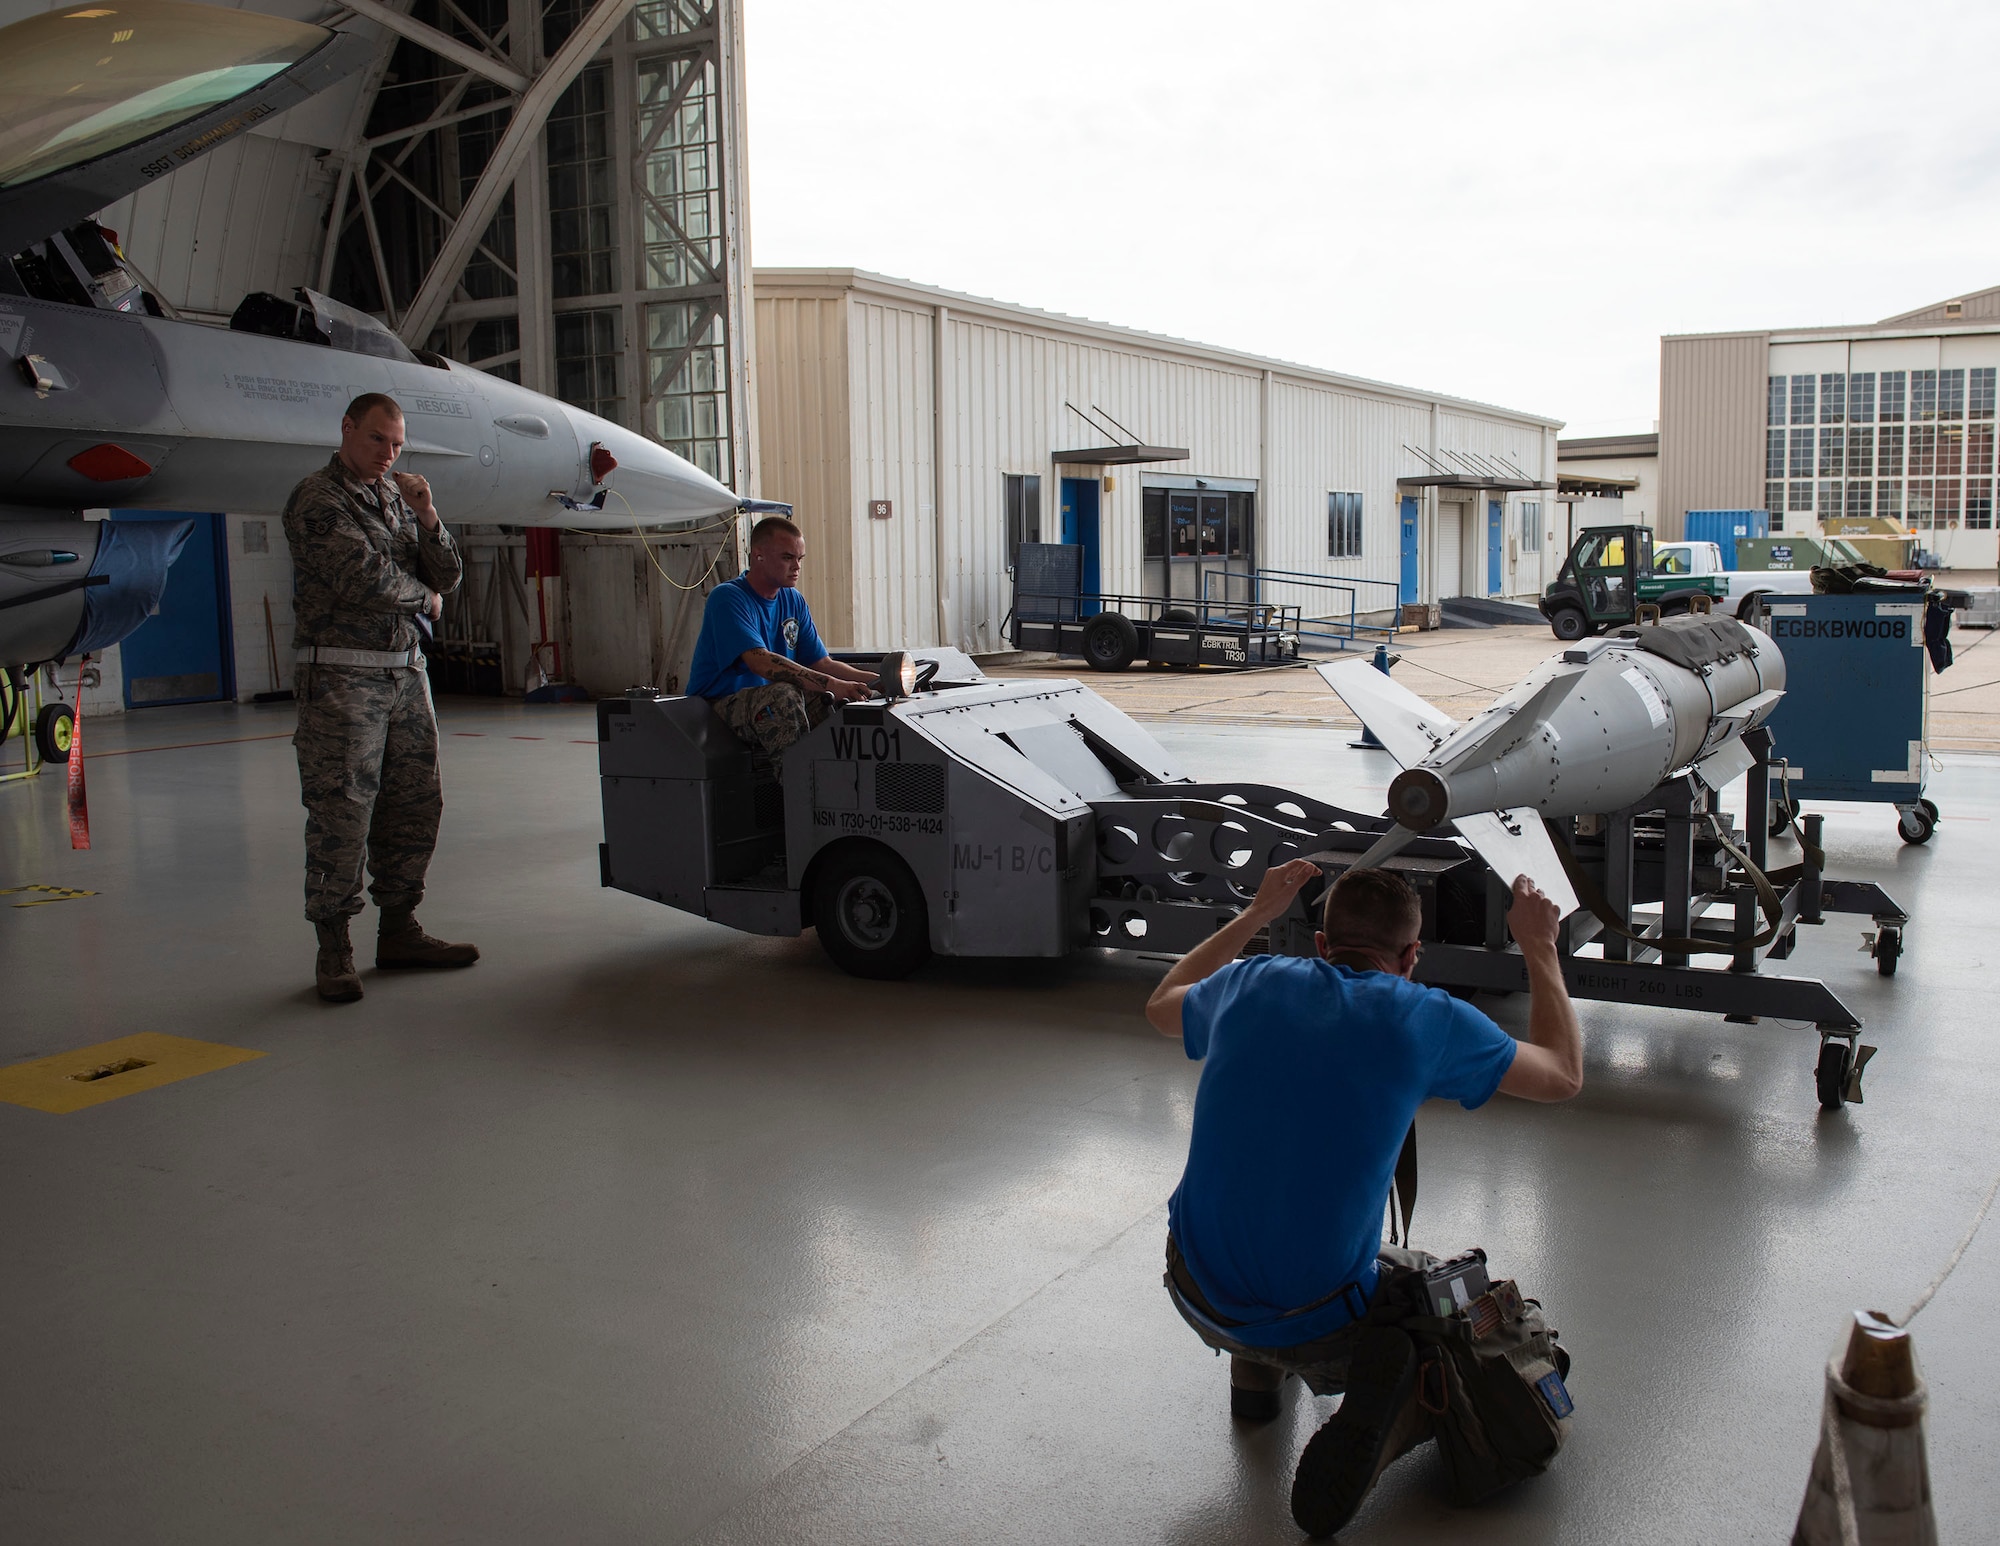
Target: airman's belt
{"points": [[380, 660]]}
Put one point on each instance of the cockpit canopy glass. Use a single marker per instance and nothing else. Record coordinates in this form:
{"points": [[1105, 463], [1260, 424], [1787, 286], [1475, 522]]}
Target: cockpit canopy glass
{"points": [[79, 83]]}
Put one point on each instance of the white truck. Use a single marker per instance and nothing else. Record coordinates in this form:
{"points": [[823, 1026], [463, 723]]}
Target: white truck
{"points": [[1736, 589]]}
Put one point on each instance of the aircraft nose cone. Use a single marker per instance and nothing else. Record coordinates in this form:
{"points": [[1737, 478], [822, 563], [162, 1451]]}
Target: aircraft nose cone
{"points": [[1418, 799], [657, 484]]}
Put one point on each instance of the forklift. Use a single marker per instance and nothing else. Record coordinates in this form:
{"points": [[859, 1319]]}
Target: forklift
{"points": [[1609, 576]]}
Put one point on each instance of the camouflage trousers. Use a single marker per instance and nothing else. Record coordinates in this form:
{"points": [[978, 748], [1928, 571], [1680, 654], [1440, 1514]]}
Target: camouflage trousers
{"points": [[368, 777], [773, 716]]}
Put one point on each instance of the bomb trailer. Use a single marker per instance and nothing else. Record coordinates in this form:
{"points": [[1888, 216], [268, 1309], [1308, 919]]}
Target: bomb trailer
{"points": [[975, 817]]}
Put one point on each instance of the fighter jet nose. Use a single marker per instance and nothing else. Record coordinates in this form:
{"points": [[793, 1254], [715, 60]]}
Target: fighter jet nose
{"points": [[1418, 799], [651, 483]]}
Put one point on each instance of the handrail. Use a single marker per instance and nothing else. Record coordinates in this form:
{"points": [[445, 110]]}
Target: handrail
{"points": [[1340, 630]]}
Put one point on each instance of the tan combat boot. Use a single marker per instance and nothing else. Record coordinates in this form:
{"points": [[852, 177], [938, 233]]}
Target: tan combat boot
{"points": [[334, 973], [402, 942]]}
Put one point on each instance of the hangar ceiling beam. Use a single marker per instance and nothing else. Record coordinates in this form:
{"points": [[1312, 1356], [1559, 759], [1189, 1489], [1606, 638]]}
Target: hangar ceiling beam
{"points": [[442, 44], [523, 132]]}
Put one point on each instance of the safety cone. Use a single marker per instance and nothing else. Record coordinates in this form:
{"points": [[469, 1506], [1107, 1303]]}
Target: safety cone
{"points": [[1870, 1484]]}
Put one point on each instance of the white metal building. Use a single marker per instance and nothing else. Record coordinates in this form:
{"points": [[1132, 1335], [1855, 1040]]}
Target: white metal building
{"points": [[921, 434], [1892, 418]]}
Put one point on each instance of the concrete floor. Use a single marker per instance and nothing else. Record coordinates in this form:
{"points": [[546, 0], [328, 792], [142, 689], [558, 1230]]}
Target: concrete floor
{"points": [[645, 1231]]}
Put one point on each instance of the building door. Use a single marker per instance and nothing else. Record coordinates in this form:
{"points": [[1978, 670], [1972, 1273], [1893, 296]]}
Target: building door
{"points": [[185, 652], [1496, 537], [1200, 544], [1079, 529], [1451, 550], [1409, 523]]}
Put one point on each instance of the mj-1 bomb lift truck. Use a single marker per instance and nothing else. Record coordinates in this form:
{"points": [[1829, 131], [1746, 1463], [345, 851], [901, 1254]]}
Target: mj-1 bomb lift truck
{"points": [[959, 815]]}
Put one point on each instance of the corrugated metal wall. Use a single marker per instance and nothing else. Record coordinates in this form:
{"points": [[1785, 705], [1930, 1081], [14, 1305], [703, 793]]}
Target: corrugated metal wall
{"points": [[1711, 425], [803, 444], [246, 216], [1006, 390]]}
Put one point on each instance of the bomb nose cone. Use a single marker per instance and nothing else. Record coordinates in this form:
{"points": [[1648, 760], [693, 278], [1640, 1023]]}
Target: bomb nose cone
{"points": [[1418, 799]]}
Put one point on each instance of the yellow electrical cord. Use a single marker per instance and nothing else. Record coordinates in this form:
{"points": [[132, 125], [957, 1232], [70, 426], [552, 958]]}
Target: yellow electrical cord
{"points": [[646, 543]]}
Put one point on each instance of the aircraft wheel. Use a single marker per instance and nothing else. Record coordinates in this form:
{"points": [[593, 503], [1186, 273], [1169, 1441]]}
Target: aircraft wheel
{"points": [[870, 914], [1888, 950], [1836, 1058], [1569, 624], [1916, 823], [55, 730], [1110, 642]]}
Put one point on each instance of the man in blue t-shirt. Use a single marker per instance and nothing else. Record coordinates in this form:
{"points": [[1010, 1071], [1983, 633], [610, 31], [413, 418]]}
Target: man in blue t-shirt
{"points": [[1313, 1071], [759, 658]]}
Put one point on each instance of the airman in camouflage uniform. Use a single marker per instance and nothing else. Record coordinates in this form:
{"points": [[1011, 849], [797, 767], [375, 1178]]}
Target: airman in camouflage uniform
{"points": [[369, 558]]}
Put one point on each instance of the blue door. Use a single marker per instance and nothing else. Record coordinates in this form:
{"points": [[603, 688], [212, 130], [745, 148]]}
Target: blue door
{"points": [[1079, 528], [185, 652], [1496, 535], [1409, 547]]}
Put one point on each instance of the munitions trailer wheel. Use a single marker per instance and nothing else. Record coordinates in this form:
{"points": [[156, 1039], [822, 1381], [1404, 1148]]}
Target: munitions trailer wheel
{"points": [[55, 729], [1782, 816], [1836, 1060], [1110, 642], [870, 914], [1916, 823], [1569, 624], [1888, 949]]}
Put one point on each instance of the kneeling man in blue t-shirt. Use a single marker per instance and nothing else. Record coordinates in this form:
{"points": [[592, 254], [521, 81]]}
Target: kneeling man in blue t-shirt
{"points": [[759, 658], [1313, 1071]]}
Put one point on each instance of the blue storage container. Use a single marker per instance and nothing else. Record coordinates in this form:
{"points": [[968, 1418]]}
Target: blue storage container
{"points": [[1723, 527]]}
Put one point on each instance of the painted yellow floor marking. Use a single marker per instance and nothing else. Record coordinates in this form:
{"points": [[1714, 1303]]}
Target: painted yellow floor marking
{"points": [[55, 894], [90, 1076]]}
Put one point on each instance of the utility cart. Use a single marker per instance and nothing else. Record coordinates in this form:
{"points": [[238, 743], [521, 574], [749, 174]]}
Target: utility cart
{"points": [[1853, 725]]}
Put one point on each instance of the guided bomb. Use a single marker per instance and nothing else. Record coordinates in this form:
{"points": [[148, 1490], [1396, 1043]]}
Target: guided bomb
{"points": [[1589, 731]]}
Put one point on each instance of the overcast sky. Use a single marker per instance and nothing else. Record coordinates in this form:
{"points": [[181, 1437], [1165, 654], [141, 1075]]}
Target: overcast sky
{"points": [[1508, 203]]}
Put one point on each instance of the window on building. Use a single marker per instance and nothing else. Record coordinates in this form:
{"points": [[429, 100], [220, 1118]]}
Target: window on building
{"points": [[667, 18], [1802, 453], [1153, 523], [1920, 495], [1950, 450], [1774, 453], [1829, 500], [1803, 398], [582, 203], [1774, 502], [1800, 498], [1861, 397], [1182, 529], [1832, 452], [1945, 507], [1889, 450], [1833, 397], [1979, 504], [1774, 400], [494, 346], [1979, 398], [687, 383], [1978, 449], [587, 351], [1531, 526], [680, 172], [1024, 513], [1889, 497], [1343, 525], [1860, 451], [1892, 395], [1923, 394], [1951, 394], [1858, 495], [1923, 450], [1242, 520]]}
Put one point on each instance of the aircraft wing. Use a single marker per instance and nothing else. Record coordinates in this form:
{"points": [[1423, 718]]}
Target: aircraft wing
{"points": [[1402, 721]]}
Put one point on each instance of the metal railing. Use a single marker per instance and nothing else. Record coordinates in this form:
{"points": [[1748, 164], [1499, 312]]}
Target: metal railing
{"points": [[1339, 623]]}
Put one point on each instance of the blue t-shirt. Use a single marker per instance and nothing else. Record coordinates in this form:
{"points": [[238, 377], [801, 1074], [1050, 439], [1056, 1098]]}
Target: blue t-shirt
{"points": [[1313, 1074], [736, 619]]}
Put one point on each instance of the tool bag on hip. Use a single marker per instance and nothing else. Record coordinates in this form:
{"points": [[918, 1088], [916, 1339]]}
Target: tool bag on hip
{"points": [[1490, 1371]]}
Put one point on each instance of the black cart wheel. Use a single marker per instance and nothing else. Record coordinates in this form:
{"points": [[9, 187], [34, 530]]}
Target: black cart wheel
{"points": [[1888, 949], [1916, 824], [1782, 816], [55, 730], [1569, 624], [1836, 1061], [1180, 615], [870, 914], [1926, 804], [1110, 642]]}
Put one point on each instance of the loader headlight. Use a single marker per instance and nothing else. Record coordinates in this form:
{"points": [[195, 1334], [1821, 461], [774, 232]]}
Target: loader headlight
{"points": [[899, 675]]}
